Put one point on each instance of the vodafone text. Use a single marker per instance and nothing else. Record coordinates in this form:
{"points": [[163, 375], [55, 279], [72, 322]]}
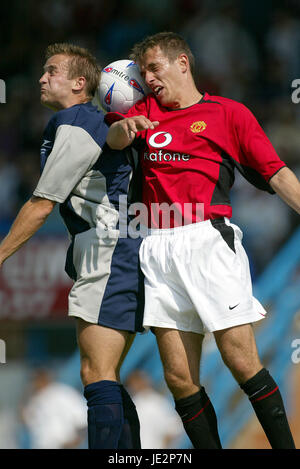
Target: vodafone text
{"points": [[159, 140], [161, 156]]}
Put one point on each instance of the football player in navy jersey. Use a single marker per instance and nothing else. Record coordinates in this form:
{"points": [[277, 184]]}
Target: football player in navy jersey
{"points": [[197, 276], [86, 179]]}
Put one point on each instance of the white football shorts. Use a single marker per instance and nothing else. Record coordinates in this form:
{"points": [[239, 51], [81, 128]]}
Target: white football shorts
{"points": [[197, 278]]}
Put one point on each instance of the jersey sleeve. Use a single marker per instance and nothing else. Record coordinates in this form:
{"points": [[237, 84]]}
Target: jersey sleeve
{"points": [[253, 151], [73, 154]]}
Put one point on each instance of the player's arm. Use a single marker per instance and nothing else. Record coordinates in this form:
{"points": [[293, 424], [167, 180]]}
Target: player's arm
{"points": [[73, 154], [122, 133], [287, 186], [30, 218]]}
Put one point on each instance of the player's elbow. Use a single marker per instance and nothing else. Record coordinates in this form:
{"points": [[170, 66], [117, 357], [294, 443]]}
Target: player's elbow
{"points": [[279, 177], [286, 184], [42, 207]]}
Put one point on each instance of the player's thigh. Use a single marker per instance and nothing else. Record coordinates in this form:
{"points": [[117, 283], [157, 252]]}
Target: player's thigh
{"points": [[180, 353], [238, 348], [102, 350]]}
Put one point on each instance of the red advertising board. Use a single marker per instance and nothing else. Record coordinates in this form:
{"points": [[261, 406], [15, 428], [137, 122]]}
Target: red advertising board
{"points": [[33, 283]]}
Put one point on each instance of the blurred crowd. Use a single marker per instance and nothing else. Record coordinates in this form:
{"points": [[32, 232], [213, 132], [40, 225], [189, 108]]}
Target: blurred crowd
{"points": [[246, 50], [51, 414]]}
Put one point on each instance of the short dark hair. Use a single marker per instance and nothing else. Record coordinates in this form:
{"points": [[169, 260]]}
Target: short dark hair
{"points": [[82, 63], [171, 44]]}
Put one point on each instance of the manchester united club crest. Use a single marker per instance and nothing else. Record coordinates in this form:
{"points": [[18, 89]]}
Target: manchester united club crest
{"points": [[198, 126]]}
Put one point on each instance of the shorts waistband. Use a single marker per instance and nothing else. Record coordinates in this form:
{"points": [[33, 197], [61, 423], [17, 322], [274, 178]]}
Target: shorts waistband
{"points": [[192, 226]]}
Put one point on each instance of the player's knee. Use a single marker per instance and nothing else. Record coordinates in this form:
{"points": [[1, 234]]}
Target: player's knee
{"points": [[85, 371], [91, 371], [242, 368], [179, 384]]}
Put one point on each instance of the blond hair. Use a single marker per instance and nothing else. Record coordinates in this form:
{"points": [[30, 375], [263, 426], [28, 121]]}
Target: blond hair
{"points": [[81, 63]]}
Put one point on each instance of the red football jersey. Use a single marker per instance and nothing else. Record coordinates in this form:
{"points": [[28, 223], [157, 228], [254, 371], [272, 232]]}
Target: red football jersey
{"points": [[188, 161]]}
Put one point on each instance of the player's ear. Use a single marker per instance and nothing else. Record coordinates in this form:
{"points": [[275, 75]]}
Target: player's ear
{"points": [[183, 62], [79, 83]]}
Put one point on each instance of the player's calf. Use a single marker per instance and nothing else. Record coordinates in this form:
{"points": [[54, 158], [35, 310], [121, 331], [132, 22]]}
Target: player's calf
{"points": [[199, 420], [268, 405], [112, 419]]}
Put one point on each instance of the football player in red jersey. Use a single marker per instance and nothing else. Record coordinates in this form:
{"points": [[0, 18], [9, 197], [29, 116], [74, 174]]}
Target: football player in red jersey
{"points": [[197, 277]]}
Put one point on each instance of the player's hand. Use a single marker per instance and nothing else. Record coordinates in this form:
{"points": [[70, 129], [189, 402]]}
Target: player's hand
{"points": [[132, 125], [123, 132]]}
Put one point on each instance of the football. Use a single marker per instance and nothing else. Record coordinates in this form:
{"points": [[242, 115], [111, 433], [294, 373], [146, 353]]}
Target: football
{"points": [[121, 86]]}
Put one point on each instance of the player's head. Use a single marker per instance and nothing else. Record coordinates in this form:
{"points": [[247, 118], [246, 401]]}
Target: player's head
{"points": [[167, 65], [71, 76]]}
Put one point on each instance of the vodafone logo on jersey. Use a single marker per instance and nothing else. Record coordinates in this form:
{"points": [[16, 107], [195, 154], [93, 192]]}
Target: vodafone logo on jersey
{"points": [[163, 141], [159, 140]]}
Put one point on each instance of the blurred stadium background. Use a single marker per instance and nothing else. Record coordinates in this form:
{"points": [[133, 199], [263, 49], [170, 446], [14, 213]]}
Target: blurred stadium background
{"points": [[246, 50]]}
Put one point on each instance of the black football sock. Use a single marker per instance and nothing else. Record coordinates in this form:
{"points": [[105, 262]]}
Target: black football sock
{"points": [[130, 435], [199, 420], [267, 403], [105, 414]]}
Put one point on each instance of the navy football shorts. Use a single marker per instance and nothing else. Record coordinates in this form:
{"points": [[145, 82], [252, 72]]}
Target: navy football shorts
{"points": [[109, 284]]}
